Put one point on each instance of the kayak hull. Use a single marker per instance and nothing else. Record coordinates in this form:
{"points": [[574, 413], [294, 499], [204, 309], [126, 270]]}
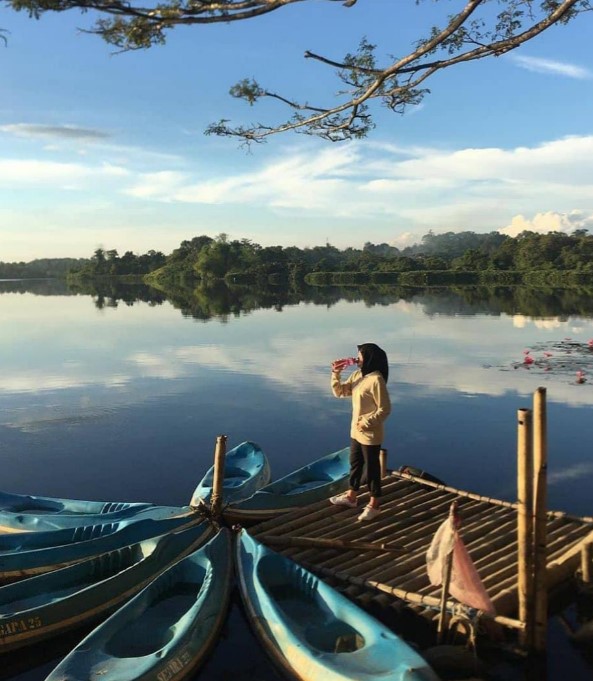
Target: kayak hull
{"points": [[166, 631]]}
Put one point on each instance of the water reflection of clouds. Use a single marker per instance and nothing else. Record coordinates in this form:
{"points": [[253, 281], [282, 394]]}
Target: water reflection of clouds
{"points": [[150, 365], [434, 353], [22, 383], [579, 470], [522, 322]]}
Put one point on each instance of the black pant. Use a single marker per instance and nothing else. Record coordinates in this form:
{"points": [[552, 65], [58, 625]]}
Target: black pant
{"points": [[361, 457]]}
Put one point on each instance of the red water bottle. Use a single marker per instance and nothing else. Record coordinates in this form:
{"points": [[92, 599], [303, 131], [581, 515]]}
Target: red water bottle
{"points": [[340, 364]]}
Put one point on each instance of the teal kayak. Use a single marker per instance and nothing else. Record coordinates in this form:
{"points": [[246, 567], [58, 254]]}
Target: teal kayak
{"points": [[246, 469], [318, 480], [24, 503], [29, 553], [39, 607], [164, 632], [312, 632], [44, 522]]}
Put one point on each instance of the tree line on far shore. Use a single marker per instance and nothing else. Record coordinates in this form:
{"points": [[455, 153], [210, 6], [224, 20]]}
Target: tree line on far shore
{"points": [[42, 268], [204, 258]]}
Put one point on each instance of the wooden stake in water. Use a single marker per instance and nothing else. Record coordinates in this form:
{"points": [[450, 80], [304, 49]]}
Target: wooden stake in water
{"points": [[540, 475], [525, 523], [218, 476]]}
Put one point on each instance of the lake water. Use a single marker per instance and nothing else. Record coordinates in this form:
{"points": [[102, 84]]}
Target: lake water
{"points": [[110, 397]]}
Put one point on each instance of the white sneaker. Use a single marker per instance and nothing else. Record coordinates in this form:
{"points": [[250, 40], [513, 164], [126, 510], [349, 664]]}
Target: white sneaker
{"points": [[369, 513], [343, 500]]}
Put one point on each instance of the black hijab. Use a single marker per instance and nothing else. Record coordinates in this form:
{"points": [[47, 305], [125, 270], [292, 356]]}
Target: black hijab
{"points": [[373, 359]]}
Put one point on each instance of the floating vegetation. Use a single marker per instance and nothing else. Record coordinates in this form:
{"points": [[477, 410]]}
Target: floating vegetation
{"points": [[566, 357]]}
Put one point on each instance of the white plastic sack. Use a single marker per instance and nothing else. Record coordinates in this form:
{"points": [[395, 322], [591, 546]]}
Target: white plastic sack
{"points": [[465, 585]]}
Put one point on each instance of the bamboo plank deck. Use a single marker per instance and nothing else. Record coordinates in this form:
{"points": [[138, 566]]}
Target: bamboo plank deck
{"points": [[412, 510]]}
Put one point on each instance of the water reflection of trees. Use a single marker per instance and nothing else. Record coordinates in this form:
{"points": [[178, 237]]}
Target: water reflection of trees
{"points": [[38, 287], [219, 301], [222, 302], [110, 293], [519, 300]]}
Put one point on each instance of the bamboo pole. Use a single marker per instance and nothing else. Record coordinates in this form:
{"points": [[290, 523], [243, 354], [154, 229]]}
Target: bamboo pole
{"points": [[453, 490], [447, 571], [218, 477], [540, 539], [383, 462], [524, 523], [586, 563], [443, 604], [559, 570], [339, 544]]}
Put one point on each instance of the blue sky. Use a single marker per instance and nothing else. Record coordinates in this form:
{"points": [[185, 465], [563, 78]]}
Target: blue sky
{"points": [[98, 149]]}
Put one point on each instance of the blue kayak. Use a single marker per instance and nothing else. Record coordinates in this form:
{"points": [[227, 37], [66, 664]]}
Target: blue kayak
{"points": [[30, 553], [311, 631], [165, 632], [39, 607], [24, 503], [246, 469], [316, 481], [28, 522]]}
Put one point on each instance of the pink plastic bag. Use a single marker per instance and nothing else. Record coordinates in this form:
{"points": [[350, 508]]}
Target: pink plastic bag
{"points": [[465, 585]]}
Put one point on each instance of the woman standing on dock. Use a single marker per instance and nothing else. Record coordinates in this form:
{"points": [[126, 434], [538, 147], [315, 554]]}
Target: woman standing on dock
{"points": [[370, 407]]}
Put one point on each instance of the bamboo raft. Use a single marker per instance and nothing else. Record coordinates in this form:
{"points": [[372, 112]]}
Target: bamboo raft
{"points": [[412, 510]]}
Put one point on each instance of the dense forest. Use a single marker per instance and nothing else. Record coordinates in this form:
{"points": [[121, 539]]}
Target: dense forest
{"points": [[242, 261], [111, 264], [45, 268], [458, 254]]}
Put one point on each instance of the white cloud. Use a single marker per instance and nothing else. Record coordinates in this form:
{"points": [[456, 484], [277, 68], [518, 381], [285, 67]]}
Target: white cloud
{"points": [[540, 65], [306, 182], [15, 172], [449, 189], [156, 185], [68, 132], [387, 189], [549, 222], [406, 239]]}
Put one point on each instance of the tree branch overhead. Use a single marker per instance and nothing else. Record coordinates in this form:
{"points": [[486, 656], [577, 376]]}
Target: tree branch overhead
{"points": [[476, 30]]}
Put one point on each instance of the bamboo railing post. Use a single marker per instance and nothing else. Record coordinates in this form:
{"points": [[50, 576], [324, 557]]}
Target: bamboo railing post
{"points": [[448, 569], [540, 494], [383, 462], [218, 476], [586, 552], [524, 523]]}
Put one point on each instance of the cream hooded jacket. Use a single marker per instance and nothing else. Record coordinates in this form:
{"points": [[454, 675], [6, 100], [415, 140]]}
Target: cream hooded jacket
{"points": [[370, 404]]}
